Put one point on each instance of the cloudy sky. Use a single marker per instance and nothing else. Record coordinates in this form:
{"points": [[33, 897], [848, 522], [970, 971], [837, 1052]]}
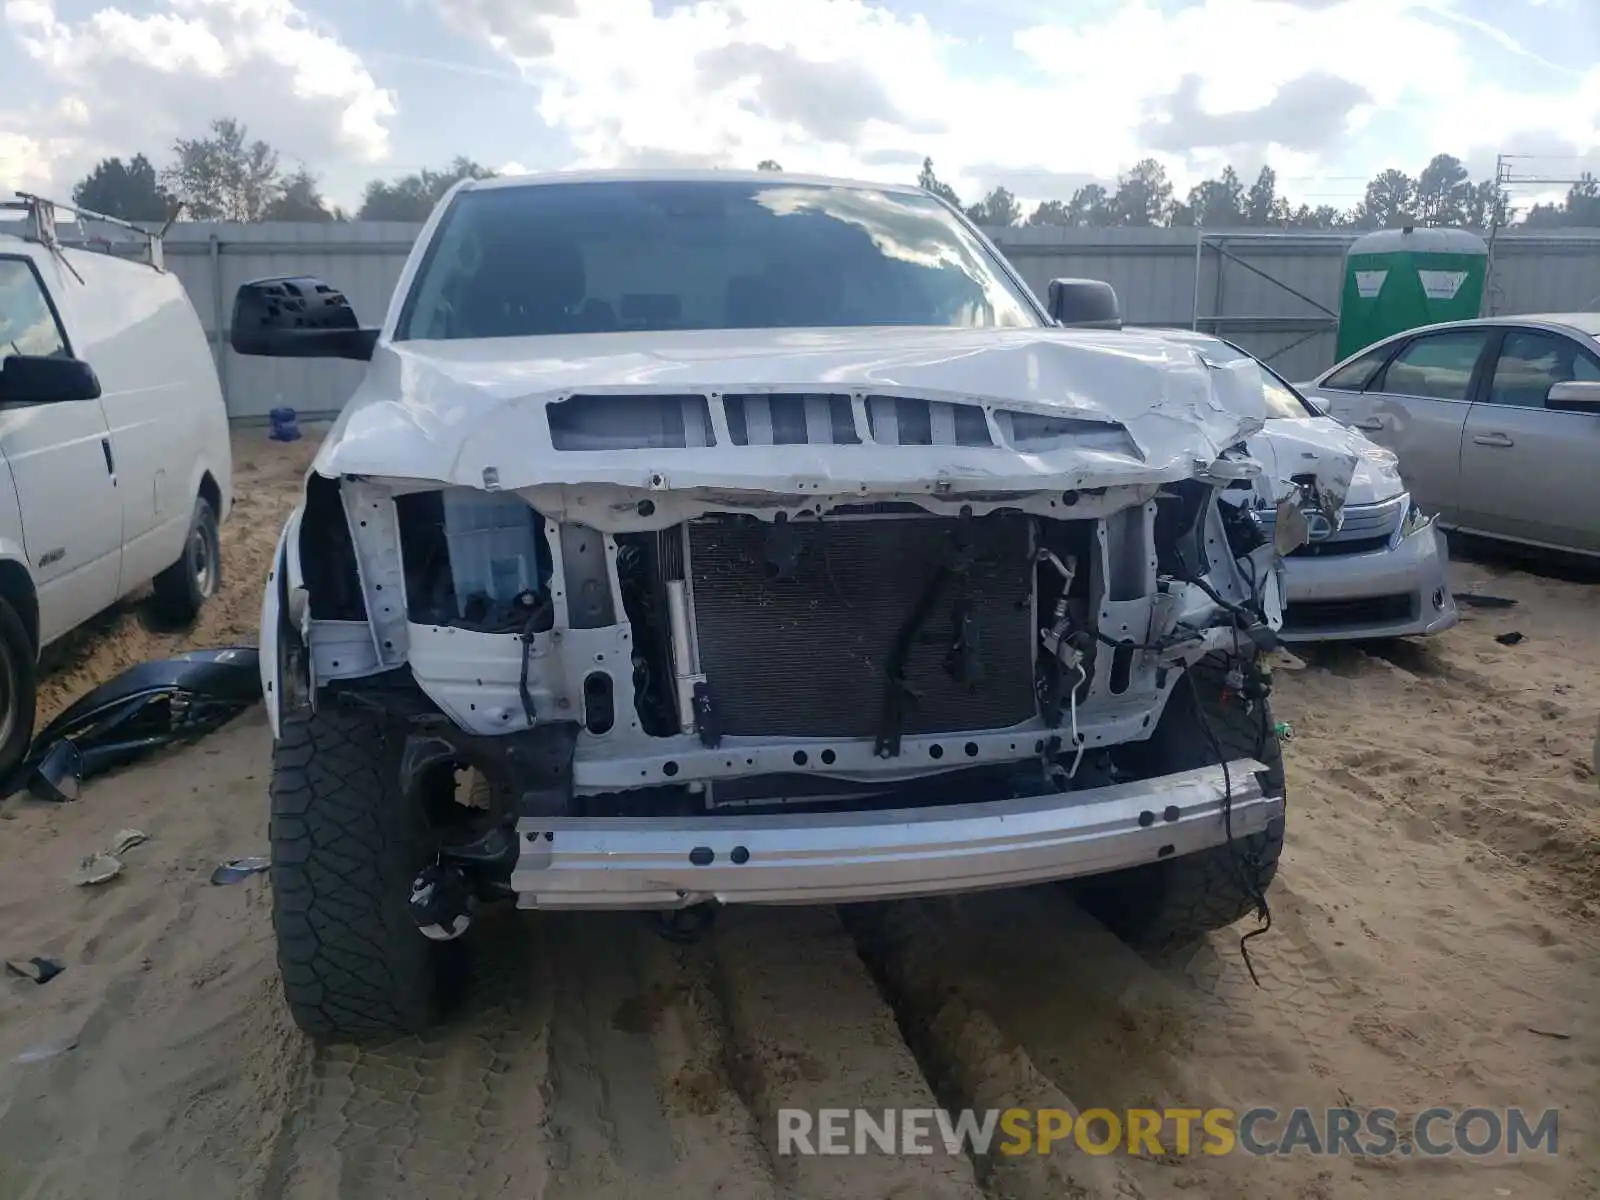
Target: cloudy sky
{"points": [[1036, 95]]}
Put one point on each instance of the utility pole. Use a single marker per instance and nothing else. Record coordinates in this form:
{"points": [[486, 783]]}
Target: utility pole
{"points": [[1505, 176], [1502, 204]]}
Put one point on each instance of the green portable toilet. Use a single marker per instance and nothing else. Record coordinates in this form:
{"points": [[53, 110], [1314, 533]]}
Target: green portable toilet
{"points": [[1397, 279]]}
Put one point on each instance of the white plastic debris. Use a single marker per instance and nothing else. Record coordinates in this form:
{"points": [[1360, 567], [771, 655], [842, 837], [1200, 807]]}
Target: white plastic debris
{"points": [[107, 865]]}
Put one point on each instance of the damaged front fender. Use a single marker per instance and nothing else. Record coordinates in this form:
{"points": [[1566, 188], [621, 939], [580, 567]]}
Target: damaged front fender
{"points": [[285, 626], [148, 706]]}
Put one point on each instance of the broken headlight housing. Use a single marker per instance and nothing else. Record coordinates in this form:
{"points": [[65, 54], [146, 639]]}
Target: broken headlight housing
{"points": [[1415, 520]]}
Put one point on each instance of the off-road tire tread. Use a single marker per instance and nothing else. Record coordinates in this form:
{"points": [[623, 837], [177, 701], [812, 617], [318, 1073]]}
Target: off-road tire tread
{"points": [[1204, 892], [1165, 904], [345, 848]]}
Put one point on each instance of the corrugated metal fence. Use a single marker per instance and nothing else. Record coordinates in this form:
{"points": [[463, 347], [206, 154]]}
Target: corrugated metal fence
{"points": [[1275, 294]]}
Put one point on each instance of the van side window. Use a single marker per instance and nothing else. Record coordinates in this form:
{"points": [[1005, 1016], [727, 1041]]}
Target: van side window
{"points": [[27, 326]]}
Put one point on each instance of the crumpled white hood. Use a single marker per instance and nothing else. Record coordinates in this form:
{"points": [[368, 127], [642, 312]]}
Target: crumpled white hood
{"points": [[448, 411]]}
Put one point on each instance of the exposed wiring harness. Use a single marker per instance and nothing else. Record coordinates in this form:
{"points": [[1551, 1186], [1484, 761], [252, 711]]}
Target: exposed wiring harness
{"points": [[1246, 865], [1244, 860]]}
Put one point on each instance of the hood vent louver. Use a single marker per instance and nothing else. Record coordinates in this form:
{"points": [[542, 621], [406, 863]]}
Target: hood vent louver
{"points": [[790, 419], [679, 422], [646, 422]]}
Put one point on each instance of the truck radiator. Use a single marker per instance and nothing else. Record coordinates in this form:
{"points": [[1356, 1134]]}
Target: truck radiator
{"points": [[796, 624]]}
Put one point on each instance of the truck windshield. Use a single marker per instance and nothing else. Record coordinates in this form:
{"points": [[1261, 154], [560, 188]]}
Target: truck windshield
{"points": [[595, 257]]}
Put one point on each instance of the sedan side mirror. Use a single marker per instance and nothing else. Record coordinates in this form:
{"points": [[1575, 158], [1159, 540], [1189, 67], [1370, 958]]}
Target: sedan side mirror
{"points": [[37, 379], [1321, 404], [1574, 397], [297, 317]]}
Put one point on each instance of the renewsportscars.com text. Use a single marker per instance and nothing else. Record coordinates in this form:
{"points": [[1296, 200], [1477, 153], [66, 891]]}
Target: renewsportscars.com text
{"points": [[1364, 1133]]}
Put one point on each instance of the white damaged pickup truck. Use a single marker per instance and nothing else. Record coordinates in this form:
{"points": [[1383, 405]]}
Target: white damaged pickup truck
{"points": [[721, 538]]}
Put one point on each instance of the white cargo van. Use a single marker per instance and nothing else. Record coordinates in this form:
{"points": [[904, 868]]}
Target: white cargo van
{"points": [[115, 467]]}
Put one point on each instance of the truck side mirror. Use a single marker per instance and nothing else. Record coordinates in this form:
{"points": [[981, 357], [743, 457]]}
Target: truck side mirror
{"points": [[297, 317], [1576, 396], [38, 379], [1085, 304]]}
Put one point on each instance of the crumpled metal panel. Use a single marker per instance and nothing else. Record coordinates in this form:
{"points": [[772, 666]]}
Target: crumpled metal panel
{"points": [[473, 413]]}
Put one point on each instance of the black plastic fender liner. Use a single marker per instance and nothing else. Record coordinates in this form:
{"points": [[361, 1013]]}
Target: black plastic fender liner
{"points": [[231, 674], [145, 707]]}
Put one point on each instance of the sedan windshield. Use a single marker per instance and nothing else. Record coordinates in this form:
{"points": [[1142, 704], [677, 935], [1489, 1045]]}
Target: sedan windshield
{"points": [[594, 257]]}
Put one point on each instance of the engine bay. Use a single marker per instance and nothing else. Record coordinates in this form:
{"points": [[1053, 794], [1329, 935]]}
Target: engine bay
{"points": [[796, 654]]}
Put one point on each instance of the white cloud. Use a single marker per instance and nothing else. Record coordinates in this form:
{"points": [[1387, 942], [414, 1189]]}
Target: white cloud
{"points": [[23, 162], [1326, 91], [820, 83], [847, 86], [138, 82]]}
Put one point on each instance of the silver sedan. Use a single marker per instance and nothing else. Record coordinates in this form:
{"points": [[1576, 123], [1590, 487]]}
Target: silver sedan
{"points": [[1496, 422]]}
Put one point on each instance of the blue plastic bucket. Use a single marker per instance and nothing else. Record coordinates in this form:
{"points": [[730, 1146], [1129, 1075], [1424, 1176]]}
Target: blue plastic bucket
{"points": [[284, 428]]}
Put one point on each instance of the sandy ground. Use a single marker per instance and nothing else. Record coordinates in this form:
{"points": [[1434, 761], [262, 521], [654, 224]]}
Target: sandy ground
{"points": [[1434, 942]]}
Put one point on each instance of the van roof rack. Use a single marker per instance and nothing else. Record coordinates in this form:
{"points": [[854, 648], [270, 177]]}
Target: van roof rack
{"points": [[39, 225]]}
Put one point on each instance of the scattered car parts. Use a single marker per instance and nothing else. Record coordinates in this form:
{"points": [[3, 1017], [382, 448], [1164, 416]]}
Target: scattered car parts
{"points": [[107, 864], [237, 870], [38, 968], [48, 1049], [151, 705], [96, 868]]}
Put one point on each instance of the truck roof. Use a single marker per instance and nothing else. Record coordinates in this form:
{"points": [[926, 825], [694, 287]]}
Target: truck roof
{"points": [[703, 175]]}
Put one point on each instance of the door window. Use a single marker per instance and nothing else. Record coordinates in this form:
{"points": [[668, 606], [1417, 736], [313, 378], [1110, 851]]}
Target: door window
{"points": [[1532, 361], [27, 324], [1356, 374], [1436, 365]]}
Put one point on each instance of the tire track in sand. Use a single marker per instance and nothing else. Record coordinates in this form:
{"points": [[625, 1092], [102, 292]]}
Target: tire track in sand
{"points": [[810, 1031], [590, 1062], [1019, 998], [929, 968], [457, 1112], [595, 1060], [641, 1105]]}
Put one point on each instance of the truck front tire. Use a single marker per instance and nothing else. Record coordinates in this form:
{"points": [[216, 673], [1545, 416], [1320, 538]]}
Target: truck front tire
{"points": [[346, 846], [1165, 904]]}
